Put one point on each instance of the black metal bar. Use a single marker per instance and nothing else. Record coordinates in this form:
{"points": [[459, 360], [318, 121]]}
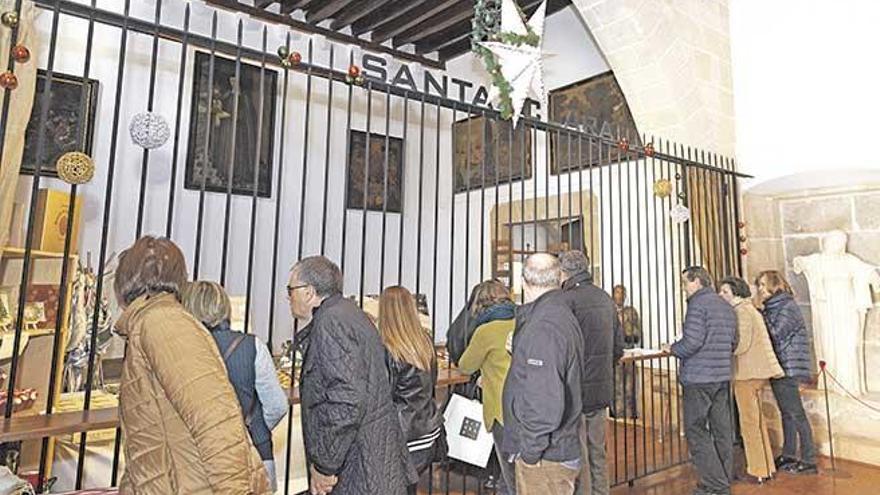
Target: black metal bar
{"points": [[347, 167], [737, 216], [108, 197], [384, 190], [482, 199], [227, 217], [279, 187], [403, 166], [418, 265], [327, 153], [151, 93], [365, 212], [181, 77], [210, 105], [654, 288], [305, 156], [568, 173], [252, 243], [510, 224], [580, 195], [467, 211]]}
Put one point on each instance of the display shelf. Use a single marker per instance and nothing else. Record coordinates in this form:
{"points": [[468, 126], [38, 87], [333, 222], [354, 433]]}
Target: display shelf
{"points": [[17, 252], [35, 427]]}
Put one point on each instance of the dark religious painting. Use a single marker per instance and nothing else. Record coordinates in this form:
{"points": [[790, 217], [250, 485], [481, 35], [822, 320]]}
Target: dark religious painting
{"points": [[381, 196], [235, 137], [598, 106], [482, 154], [69, 125]]}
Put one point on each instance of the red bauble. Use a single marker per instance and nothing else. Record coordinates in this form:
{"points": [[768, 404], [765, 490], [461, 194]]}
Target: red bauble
{"points": [[649, 149], [354, 71], [740, 225], [21, 54], [8, 80], [743, 251], [623, 145], [743, 238], [295, 58]]}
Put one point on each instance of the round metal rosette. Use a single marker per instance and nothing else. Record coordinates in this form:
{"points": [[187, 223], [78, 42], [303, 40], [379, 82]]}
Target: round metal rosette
{"points": [[662, 188], [75, 167], [680, 214], [149, 130]]}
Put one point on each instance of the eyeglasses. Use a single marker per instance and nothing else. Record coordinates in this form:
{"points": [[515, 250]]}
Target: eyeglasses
{"points": [[291, 288]]}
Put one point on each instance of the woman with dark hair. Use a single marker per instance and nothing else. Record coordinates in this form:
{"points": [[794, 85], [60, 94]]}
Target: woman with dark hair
{"points": [[182, 424], [493, 313], [788, 333], [756, 363], [413, 365]]}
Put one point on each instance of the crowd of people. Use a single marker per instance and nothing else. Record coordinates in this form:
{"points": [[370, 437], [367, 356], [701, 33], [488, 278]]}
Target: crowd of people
{"points": [[198, 401]]}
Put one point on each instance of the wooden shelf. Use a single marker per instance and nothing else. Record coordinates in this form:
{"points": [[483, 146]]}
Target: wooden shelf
{"points": [[50, 425], [15, 252]]}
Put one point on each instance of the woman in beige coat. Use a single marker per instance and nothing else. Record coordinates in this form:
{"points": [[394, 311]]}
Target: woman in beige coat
{"points": [[182, 426], [755, 364]]}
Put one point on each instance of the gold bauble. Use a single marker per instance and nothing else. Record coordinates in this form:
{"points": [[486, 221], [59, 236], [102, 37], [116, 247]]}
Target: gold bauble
{"points": [[9, 19], [662, 188], [75, 167]]}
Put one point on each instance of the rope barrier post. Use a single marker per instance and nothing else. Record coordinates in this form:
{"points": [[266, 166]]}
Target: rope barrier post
{"points": [[828, 414]]}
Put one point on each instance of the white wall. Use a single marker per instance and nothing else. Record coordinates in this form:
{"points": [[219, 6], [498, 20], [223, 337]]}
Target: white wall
{"points": [[805, 86]]}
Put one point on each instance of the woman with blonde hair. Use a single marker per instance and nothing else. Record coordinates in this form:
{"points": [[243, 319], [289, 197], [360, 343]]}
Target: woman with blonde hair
{"points": [[494, 313], [249, 367], [788, 333], [413, 366], [756, 363]]}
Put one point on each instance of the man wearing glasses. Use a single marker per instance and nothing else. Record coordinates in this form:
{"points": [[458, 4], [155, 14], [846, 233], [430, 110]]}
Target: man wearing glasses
{"points": [[354, 444]]}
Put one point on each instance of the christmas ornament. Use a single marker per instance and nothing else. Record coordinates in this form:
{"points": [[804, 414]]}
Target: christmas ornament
{"points": [[741, 225], [149, 130], [662, 188], [295, 58], [285, 62], [9, 19], [680, 214], [354, 75], [75, 167], [649, 149], [21, 54], [514, 59], [677, 176], [743, 238], [283, 52], [8, 80], [623, 145], [743, 251], [354, 71]]}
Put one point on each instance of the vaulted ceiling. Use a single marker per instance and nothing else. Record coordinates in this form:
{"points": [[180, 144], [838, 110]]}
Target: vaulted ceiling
{"points": [[441, 26]]}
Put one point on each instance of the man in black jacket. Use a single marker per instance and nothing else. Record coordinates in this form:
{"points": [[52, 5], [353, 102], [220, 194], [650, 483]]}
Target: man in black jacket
{"points": [[542, 394], [603, 348], [354, 444]]}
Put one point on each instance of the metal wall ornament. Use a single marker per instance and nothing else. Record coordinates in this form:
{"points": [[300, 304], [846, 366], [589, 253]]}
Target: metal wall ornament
{"points": [[75, 167], [149, 130], [680, 213], [9, 19], [662, 188]]}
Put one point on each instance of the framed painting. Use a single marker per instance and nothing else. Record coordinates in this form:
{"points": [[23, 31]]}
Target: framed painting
{"points": [[376, 197], [69, 125], [483, 155], [240, 152], [598, 106]]}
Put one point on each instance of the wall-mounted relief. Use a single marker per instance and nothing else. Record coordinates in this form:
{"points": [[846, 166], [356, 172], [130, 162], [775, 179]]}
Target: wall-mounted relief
{"points": [[386, 155], [489, 152]]}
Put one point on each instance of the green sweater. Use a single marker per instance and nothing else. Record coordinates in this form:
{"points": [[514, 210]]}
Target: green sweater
{"points": [[487, 353]]}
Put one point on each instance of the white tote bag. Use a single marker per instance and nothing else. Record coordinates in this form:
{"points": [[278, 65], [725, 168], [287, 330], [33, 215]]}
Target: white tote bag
{"points": [[465, 432]]}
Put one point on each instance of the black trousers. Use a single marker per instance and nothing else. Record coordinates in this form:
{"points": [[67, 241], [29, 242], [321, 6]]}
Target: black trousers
{"points": [[709, 430], [794, 420]]}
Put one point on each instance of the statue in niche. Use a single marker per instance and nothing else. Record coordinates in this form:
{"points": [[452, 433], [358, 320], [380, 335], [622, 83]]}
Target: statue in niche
{"points": [[840, 295]]}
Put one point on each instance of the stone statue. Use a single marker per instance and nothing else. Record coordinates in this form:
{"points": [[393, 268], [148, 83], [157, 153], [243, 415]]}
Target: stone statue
{"points": [[840, 295]]}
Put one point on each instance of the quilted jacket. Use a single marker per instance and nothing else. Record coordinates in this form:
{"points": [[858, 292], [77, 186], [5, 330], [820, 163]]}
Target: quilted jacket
{"points": [[350, 425], [788, 333], [708, 340], [181, 422]]}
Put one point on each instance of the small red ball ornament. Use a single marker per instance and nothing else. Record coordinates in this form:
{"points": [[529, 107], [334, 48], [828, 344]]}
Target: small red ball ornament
{"points": [[743, 251], [21, 54], [8, 80], [354, 71], [741, 225], [743, 238], [295, 58], [623, 145], [649, 149]]}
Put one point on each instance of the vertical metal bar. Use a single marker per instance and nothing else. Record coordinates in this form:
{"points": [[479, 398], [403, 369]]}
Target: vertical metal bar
{"points": [[365, 213], [510, 223], [482, 198], [305, 156], [151, 92], [385, 187], [205, 154], [580, 194], [227, 217], [108, 197], [327, 139], [181, 77], [418, 264], [688, 233], [467, 211], [654, 288], [279, 188], [256, 178], [568, 173], [403, 165], [593, 259], [348, 144], [10, 67], [737, 217]]}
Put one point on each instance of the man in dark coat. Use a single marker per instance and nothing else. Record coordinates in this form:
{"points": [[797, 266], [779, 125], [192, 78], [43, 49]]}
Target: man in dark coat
{"points": [[354, 444], [542, 393], [706, 354], [603, 347]]}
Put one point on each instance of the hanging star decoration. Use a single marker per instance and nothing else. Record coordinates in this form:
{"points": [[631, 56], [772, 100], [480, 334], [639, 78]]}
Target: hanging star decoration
{"points": [[513, 58]]}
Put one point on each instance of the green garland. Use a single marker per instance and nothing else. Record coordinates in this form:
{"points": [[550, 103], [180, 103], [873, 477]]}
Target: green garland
{"points": [[486, 27]]}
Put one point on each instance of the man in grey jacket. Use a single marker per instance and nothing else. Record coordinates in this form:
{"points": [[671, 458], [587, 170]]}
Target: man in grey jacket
{"points": [[706, 354], [542, 393]]}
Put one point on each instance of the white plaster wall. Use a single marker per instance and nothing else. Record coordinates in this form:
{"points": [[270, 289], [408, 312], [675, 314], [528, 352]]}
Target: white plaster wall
{"points": [[805, 90]]}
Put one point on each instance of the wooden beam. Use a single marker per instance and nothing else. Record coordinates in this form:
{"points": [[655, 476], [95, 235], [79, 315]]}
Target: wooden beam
{"points": [[288, 6], [436, 25], [356, 12], [415, 17], [454, 50], [262, 4], [286, 20], [448, 37], [326, 10], [386, 14]]}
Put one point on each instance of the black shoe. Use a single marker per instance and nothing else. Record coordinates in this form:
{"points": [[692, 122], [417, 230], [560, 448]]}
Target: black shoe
{"points": [[783, 462], [802, 468]]}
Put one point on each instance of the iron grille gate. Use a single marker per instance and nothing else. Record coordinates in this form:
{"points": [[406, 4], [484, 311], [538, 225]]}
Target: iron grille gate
{"points": [[464, 197]]}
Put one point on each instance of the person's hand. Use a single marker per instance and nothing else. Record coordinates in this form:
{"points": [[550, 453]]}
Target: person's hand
{"points": [[666, 349], [480, 381], [321, 484]]}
